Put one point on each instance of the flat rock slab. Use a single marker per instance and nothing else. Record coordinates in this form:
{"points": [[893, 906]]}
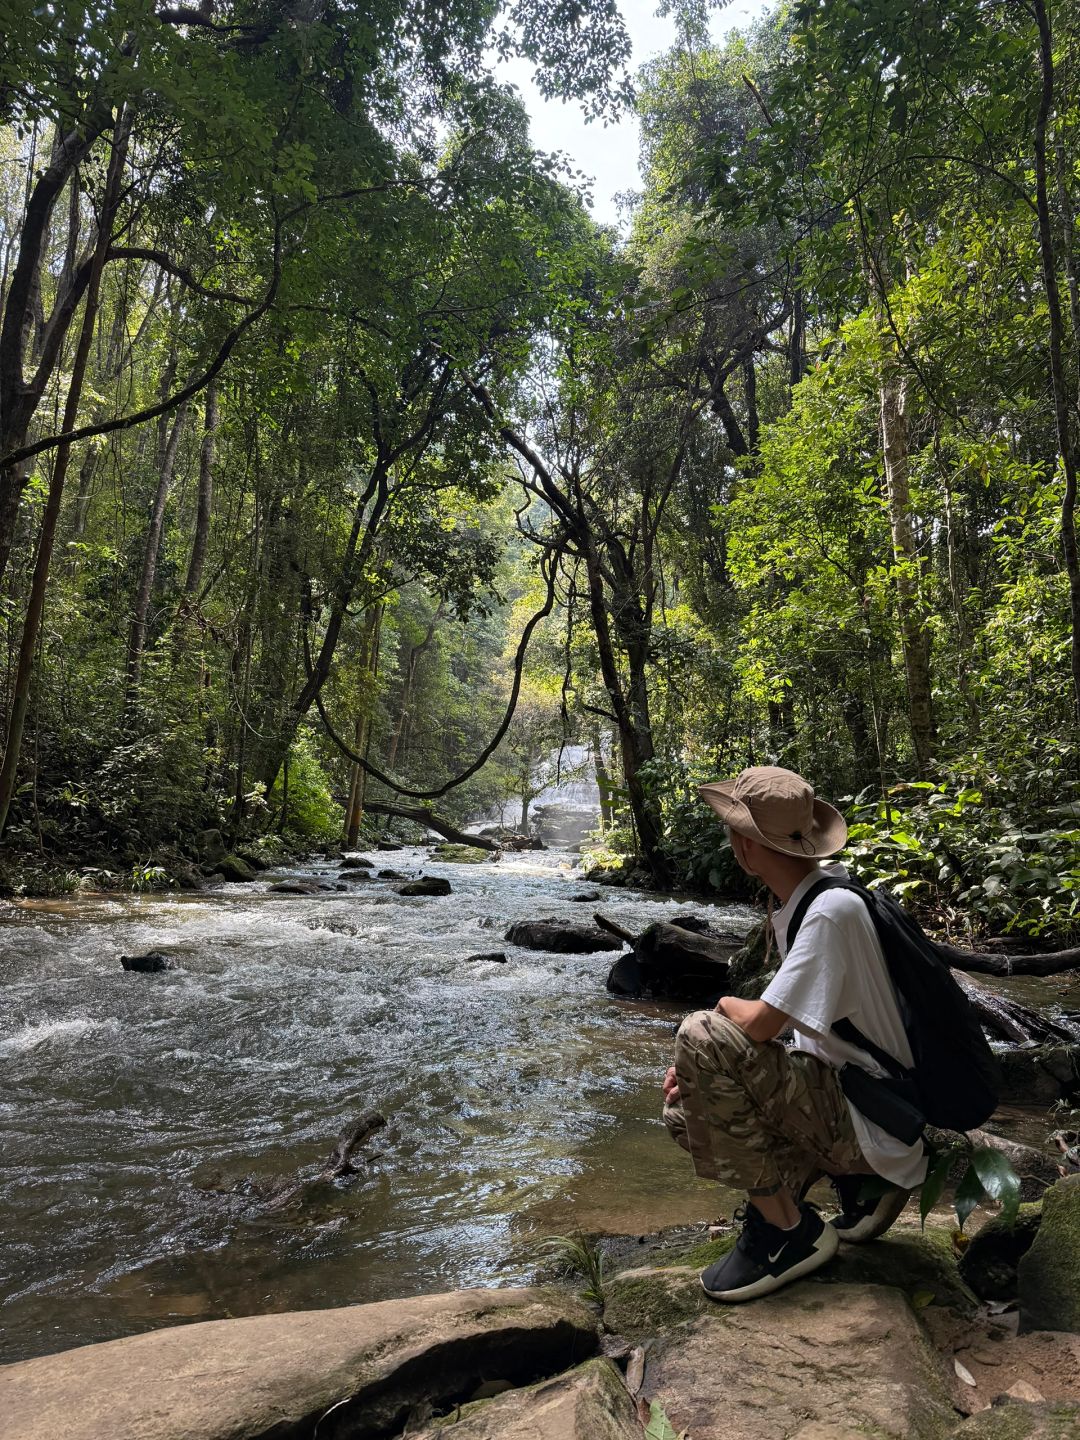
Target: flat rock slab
{"points": [[589, 1403], [849, 1357], [278, 1375], [561, 937]]}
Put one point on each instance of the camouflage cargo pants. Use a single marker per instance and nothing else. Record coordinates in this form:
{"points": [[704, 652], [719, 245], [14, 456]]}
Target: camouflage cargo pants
{"points": [[757, 1116]]}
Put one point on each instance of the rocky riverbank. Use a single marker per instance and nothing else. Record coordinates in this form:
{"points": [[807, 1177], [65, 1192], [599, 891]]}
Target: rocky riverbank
{"points": [[890, 1341]]}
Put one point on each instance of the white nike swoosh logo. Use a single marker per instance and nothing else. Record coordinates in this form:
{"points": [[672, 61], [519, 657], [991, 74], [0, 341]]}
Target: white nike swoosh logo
{"points": [[773, 1258]]}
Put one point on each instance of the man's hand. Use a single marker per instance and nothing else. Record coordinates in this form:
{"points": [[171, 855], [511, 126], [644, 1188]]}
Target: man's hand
{"points": [[671, 1087]]}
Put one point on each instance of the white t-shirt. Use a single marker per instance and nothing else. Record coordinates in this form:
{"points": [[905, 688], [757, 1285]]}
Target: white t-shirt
{"points": [[835, 969]]}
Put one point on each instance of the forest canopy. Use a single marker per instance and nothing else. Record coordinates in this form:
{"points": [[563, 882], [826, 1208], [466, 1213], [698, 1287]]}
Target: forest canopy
{"points": [[347, 466]]}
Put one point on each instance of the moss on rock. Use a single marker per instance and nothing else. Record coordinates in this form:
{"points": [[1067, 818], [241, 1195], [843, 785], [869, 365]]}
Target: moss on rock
{"points": [[641, 1303], [918, 1263], [1049, 1274], [1017, 1420]]}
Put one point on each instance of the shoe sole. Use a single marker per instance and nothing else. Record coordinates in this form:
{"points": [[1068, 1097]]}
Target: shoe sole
{"points": [[825, 1247], [884, 1217]]}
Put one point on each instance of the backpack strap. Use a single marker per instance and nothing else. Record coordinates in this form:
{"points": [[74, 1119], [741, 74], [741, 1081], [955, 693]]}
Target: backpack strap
{"points": [[846, 1029]]}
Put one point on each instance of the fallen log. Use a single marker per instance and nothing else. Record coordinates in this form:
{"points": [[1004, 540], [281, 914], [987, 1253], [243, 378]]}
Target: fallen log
{"points": [[619, 931], [420, 816], [1018, 1024], [348, 1142], [982, 962]]}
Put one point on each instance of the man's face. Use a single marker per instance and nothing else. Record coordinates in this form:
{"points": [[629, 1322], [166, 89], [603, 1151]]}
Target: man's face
{"points": [[739, 848]]}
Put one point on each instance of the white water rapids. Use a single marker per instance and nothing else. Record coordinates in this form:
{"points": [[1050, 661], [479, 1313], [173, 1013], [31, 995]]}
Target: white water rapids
{"points": [[522, 1099]]}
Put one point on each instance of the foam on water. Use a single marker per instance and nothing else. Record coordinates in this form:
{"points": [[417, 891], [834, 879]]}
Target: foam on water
{"points": [[43, 1032]]}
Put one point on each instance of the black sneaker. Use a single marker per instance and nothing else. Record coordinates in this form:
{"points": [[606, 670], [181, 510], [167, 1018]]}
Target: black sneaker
{"points": [[766, 1257], [869, 1206]]}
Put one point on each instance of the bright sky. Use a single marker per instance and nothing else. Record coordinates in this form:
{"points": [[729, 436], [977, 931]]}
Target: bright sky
{"points": [[610, 155]]}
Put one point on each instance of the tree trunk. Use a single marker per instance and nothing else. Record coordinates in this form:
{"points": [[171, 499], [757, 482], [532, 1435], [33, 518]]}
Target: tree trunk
{"points": [[36, 606], [206, 494], [1057, 364], [167, 453], [914, 636], [603, 781], [415, 654], [357, 553], [433, 822], [635, 744], [18, 401], [370, 667]]}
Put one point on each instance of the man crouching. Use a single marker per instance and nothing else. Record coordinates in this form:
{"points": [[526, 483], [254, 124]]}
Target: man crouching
{"points": [[771, 1120]]}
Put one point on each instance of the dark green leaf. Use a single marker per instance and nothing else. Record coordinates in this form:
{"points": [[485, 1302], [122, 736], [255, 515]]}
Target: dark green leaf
{"points": [[998, 1179]]}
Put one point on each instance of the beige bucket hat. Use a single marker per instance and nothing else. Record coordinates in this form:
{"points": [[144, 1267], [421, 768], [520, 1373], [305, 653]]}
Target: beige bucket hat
{"points": [[778, 808]]}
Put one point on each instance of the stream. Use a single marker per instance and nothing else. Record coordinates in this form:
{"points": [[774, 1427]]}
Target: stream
{"points": [[522, 1100]]}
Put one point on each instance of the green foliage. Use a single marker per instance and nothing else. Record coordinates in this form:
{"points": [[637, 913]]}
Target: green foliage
{"points": [[957, 852], [149, 877], [579, 1256], [988, 1177], [309, 811]]}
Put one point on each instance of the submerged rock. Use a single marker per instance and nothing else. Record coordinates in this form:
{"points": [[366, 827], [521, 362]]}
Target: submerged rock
{"points": [[561, 937], [295, 887], [426, 885], [352, 877], [152, 963], [392, 875], [494, 957], [385, 1365], [1049, 1274]]}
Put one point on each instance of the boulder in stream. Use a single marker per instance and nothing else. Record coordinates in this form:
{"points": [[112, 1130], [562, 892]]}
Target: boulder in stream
{"points": [[681, 959], [389, 845], [356, 862], [231, 867], [561, 936], [352, 877], [448, 854], [492, 957], [392, 875], [295, 887], [426, 885], [152, 963], [252, 857]]}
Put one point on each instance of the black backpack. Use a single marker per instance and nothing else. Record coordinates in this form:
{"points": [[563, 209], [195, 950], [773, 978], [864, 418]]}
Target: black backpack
{"points": [[956, 1077]]}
